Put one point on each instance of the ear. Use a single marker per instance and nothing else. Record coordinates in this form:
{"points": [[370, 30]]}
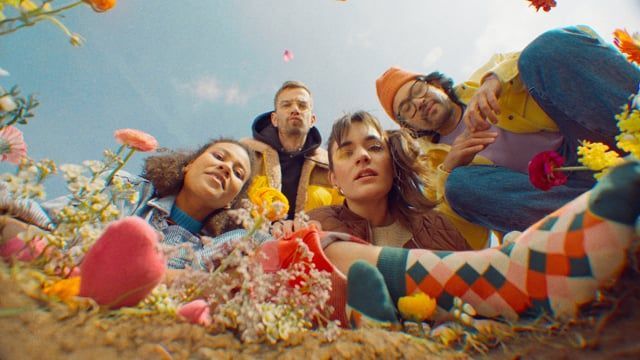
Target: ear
{"points": [[332, 178], [186, 168], [274, 119], [313, 119]]}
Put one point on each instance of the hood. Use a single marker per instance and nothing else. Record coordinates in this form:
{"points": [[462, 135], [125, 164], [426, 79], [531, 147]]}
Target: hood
{"points": [[264, 131]]}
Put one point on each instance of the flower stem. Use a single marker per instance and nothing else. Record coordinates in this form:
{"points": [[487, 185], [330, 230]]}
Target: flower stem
{"points": [[113, 173], [571, 168]]}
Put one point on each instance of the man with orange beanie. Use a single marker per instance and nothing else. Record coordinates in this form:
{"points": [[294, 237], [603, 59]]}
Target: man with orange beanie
{"points": [[565, 86]]}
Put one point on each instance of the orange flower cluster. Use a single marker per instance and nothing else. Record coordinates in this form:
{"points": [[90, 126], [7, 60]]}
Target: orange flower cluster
{"points": [[629, 45], [136, 139], [101, 5], [545, 5]]}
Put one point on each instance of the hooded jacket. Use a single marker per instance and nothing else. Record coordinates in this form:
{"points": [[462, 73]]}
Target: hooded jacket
{"points": [[302, 176]]}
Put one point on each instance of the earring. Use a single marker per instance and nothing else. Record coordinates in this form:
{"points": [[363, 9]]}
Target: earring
{"points": [[340, 190], [227, 207]]}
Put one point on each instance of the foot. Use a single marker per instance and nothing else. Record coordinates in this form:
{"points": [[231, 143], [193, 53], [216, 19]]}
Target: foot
{"points": [[369, 303]]}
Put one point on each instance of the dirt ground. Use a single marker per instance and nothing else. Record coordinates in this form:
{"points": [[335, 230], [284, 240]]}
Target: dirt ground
{"points": [[609, 330]]}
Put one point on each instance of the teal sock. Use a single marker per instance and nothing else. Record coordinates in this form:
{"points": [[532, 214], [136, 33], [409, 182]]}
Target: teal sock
{"points": [[368, 296], [392, 264]]}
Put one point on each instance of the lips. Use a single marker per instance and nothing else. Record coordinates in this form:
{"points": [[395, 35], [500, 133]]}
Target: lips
{"points": [[365, 173], [219, 178]]}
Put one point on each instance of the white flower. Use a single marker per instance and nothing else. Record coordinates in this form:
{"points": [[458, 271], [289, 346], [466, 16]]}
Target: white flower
{"points": [[7, 103], [71, 171], [94, 165]]}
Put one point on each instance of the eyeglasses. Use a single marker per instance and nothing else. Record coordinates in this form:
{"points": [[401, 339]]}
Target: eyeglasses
{"points": [[407, 109]]}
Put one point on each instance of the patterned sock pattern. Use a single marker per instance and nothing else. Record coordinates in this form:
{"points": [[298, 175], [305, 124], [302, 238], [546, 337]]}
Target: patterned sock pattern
{"points": [[553, 267]]}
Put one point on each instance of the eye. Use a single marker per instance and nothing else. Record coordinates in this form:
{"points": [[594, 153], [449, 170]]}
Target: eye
{"points": [[218, 155], [239, 173], [376, 147]]}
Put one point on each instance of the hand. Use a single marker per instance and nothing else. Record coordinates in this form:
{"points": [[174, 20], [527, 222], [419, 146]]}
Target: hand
{"points": [[11, 227], [466, 146], [285, 228], [483, 105]]}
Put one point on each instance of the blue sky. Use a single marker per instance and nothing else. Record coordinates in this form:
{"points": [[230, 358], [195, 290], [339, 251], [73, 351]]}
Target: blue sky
{"points": [[187, 71]]}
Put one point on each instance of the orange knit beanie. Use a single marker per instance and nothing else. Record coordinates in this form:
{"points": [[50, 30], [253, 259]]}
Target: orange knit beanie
{"points": [[388, 84]]}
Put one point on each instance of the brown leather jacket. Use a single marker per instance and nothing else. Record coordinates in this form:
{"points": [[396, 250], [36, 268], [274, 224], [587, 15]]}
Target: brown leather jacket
{"points": [[430, 230]]}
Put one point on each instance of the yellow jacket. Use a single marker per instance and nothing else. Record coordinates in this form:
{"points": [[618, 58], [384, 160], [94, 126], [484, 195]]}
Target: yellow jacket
{"points": [[519, 114], [314, 188]]}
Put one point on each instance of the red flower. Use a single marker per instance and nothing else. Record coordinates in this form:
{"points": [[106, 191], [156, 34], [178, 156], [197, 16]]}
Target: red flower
{"points": [[136, 139], [546, 5], [542, 172]]}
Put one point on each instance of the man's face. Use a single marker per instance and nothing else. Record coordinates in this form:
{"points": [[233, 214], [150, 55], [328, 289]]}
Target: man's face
{"points": [[293, 115], [422, 106]]}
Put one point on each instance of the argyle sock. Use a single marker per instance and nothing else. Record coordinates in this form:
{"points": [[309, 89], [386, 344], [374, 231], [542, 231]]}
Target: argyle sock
{"points": [[368, 301], [554, 266], [281, 253]]}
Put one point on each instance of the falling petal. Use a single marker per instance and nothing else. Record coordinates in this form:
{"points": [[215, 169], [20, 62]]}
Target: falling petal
{"points": [[3, 72], [287, 56], [12, 145]]}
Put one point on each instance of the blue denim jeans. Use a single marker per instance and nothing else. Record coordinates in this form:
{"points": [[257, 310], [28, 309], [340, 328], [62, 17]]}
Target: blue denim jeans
{"points": [[581, 83]]}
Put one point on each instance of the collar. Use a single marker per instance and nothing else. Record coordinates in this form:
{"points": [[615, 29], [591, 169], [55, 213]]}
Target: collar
{"points": [[183, 219]]}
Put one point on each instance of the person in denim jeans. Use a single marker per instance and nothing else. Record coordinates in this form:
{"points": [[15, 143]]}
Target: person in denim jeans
{"points": [[565, 86]]}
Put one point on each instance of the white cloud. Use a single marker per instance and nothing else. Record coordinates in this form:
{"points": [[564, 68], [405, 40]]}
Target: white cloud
{"points": [[234, 96], [432, 57], [209, 89]]}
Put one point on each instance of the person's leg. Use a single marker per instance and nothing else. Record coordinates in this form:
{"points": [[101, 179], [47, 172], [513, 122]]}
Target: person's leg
{"points": [[581, 82], [555, 266], [504, 200]]}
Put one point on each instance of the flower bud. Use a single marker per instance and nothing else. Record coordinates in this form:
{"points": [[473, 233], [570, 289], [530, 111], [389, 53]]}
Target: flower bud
{"points": [[7, 103]]}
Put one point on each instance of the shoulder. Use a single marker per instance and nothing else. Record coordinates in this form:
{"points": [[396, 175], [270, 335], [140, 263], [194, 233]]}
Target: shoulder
{"points": [[436, 232], [257, 145]]}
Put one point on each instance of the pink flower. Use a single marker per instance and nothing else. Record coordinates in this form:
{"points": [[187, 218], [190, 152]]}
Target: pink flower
{"points": [[196, 312], [123, 265], [287, 56], [542, 170], [16, 248], [545, 5], [136, 139], [12, 145]]}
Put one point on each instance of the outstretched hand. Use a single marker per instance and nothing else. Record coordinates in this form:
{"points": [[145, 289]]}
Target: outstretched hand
{"points": [[483, 107], [466, 146]]}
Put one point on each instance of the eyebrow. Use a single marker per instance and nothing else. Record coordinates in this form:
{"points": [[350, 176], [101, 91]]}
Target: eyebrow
{"points": [[368, 138]]}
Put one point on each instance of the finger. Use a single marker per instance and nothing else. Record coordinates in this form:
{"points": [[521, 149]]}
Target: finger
{"points": [[487, 110], [493, 102]]}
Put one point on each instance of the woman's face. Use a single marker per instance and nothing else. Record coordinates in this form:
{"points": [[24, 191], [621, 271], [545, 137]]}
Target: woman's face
{"points": [[218, 174], [362, 164]]}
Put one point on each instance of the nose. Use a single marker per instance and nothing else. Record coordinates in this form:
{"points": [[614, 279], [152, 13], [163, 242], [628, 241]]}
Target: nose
{"points": [[225, 167], [363, 156]]}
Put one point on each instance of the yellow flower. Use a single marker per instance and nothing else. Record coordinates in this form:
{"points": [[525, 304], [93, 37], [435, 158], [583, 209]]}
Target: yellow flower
{"points": [[64, 289], [268, 201], [417, 307], [597, 156], [629, 125]]}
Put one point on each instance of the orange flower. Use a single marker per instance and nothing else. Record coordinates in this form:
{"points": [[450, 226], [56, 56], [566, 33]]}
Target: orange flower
{"points": [[417, 307], [101, 5], [136, 139], [64, 289], [269, 202], [629, 45]]}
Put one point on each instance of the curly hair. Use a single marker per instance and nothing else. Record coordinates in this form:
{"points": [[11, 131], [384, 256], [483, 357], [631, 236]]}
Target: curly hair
{"points": [[166, 173], [409, 175]]}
